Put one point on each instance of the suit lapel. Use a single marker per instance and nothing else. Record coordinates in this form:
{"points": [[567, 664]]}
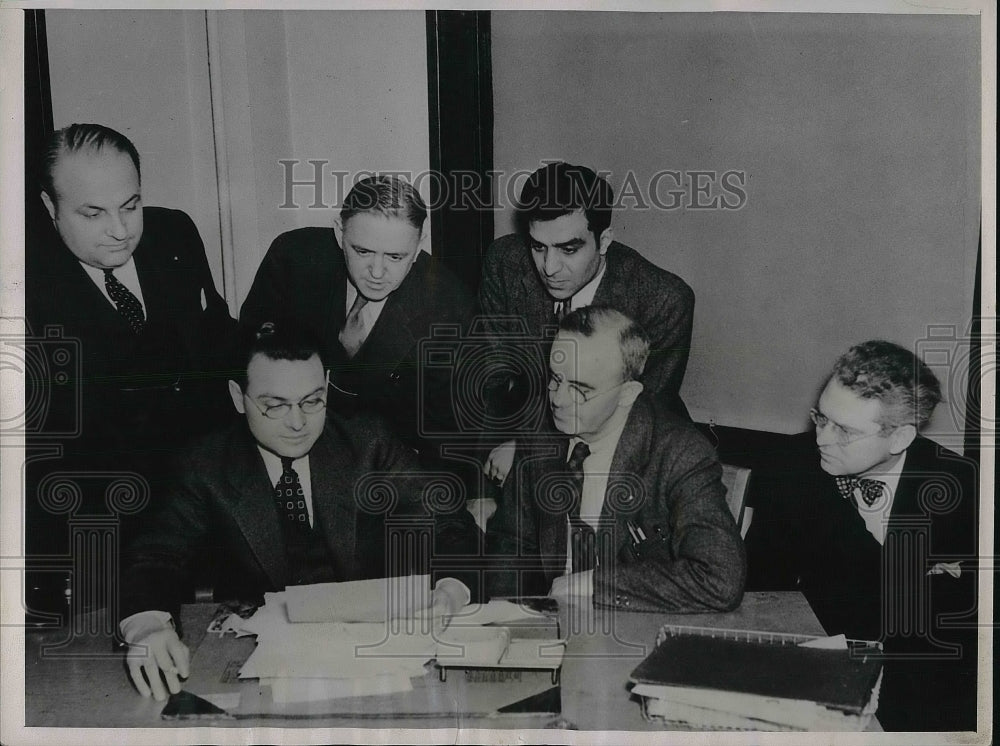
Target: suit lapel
{"points": [[552, 526], [610, 292], [536, 303], [332, 474], [251, 496], [629, 462]]}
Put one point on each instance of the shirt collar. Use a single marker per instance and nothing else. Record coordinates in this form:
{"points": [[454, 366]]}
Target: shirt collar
{"points": [[585, 295], [272, 462], [606, 444]]}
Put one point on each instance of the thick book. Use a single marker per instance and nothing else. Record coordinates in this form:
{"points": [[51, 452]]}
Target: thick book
{"points": [[735, 679]]}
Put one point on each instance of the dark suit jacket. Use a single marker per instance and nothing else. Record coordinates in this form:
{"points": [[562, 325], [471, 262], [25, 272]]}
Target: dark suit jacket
{"points": [[127, 399], [223, 500], [148, 391], [304, 277], [806, 537], [666, 479], [659, 300]]}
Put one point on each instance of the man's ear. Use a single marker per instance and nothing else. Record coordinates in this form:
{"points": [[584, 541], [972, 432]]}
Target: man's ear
{"points": [[338, 232], [901, 438], [606, 238], [236, 393], [424, 243], [49, 205], [629, 391]]}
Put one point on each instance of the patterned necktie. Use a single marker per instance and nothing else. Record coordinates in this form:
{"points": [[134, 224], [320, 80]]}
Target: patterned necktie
{"points": [[582, 536], [290, 498], [352, 336], [871, 489], [128, 305]]}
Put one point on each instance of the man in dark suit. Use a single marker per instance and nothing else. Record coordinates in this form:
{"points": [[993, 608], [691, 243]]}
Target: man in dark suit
{"points": [[630, 507], [128, 288], [291, 495], [880, 534], [563, 256], [373, 297]]}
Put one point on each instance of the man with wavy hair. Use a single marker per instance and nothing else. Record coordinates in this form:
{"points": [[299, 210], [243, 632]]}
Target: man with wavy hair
{"points": [[876, 525]]}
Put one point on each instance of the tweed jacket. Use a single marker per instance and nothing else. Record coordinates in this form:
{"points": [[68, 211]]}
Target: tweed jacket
{"points": [[659, 300], [666, 480]]}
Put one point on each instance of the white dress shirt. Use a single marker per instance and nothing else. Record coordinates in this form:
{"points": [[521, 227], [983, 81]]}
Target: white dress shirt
{"points": [[301, 465], [596, 470], [371, 311], [585, 295], [125, 274], [876, 515]]}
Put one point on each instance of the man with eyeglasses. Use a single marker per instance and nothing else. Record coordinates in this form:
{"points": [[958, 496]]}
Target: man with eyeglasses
{"points": [[563, 256], [879, 533], [624, 503], [295, 494]]}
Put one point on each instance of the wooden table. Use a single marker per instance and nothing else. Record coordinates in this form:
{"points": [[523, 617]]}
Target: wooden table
{"points": [[77, 680]]}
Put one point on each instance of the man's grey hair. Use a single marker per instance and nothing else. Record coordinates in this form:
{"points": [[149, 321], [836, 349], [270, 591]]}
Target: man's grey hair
{"points": [[906, 388], [632, 338]]}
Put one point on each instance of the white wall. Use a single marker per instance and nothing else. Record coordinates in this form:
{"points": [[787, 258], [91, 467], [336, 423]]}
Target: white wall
{"points": [[349, 87], [859, 137], [145, 75]]}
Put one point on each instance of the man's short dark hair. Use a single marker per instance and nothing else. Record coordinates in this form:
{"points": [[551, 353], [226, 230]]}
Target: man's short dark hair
{"points": [[558, 189], [278, 340], [77, 138], [388, 196], [632, 338], [907, 389]]}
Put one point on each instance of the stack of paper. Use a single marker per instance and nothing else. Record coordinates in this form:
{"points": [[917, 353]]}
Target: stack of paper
{"points": [[334, 640], [758, 683]]}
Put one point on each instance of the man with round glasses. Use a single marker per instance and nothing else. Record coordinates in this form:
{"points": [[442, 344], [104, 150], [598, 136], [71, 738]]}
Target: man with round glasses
{"points": [[281, 500], [879, 533], [625, 501]]}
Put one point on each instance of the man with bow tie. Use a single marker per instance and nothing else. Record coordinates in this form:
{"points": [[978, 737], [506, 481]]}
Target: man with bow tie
{"points": [[624, 503], [880, 535]]}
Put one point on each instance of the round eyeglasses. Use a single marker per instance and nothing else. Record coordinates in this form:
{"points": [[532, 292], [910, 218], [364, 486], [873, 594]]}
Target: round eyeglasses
{"points": [[842, 435], [577, 393], [309, 405]]}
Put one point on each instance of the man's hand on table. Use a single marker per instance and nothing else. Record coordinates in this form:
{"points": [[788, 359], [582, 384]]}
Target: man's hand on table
{"points": [[155, 657], [574, 584]]}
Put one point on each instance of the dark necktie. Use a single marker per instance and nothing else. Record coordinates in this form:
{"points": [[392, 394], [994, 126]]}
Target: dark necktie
{"points": [[290, 498], [563, 308], [128, 305], [871, 489], [352, 336], [582, 537]]}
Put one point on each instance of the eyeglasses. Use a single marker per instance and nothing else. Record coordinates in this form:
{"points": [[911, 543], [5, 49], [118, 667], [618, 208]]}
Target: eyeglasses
{"points": [[843, 435], [309, 405], [578, 394]]}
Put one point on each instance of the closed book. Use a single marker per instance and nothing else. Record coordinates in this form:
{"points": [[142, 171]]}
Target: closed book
{"points": [[843, 680]]}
